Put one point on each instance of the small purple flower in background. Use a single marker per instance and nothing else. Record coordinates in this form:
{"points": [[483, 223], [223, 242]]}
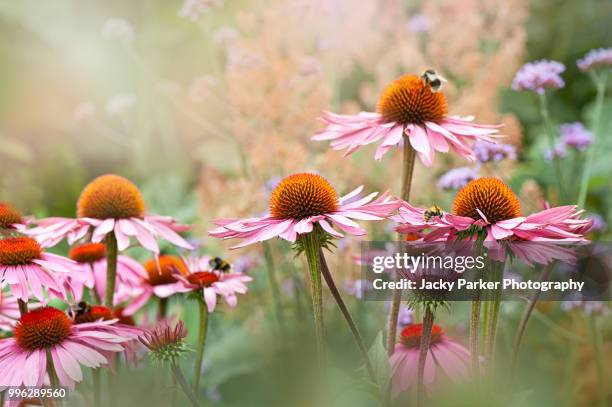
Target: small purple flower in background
{"points": [[355, 288], [597, 58], [539, 76], [405, 316], [224, 36], [457, 178], [118, 29], [194, 9], [418, 23], [246, 263], [576, 136], [213, 394], [271, 184], [487, 152], [202, 88], [599, 224], [559, 152]]}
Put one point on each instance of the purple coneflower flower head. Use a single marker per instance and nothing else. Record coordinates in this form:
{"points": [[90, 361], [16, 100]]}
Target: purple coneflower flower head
{"points": [[457, 178], [445, 358], [486, 151], [575, 135], [539, 76], [597, 58], [165, 342]]}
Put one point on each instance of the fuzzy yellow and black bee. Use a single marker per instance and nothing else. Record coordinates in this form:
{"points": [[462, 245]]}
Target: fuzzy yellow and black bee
{"points": [[218, 264], [433, 79], [432, 211], [80, 309]]}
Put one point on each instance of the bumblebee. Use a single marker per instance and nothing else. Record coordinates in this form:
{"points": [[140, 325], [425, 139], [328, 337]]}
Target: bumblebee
{"points": [[217, 263], [82, 308], [434, 80], [432, 211]]}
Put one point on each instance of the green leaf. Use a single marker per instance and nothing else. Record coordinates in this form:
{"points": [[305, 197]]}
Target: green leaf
{"points": [[380, 362]]}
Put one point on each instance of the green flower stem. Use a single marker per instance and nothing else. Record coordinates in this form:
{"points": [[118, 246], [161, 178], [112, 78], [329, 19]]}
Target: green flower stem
{"points": [[51, 371], [163, 308], [276, 296], [180, 379], [96, 378], [201, 342], [347, 315], [428, 319], [600, 84], [524, 319], [497, 273], [311, 246], [111, 268], [548, 126], [599, 357], [408, 160], [474, 333], [23, 307]]}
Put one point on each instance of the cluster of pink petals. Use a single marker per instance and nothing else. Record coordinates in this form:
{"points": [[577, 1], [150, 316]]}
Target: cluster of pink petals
{"points": [[51, 231], [553, 225], [130, 274], [350, 132], [351, 206], [9, 311], [227, 287], [444, 357], [142, 294], [25, 280], [89, 344]]}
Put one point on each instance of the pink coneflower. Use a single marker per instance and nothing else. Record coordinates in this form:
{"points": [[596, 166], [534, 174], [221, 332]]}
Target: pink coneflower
{"points": [[11, 218], [212, 282], [49, 331], [413, 107], [27, 268], [91, 272], [111, 204], [160, 281], [298, 204], [489, 205], [444, 357], [9, 311]]}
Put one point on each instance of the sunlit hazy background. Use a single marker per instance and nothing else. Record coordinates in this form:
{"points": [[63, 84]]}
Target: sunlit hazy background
{"points": [[205, 104]]}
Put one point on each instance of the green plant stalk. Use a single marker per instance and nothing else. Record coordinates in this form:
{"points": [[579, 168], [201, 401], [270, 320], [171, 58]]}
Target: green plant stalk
{"points": [[180, 379], [201, 342], [111, 269], [408, 161], [474, 333], [347, 315], [600, 84], [162, 310], [493, 317], [276, 296], [548, 126], [96, 379], [599, 360], [55, 383], [428, 319], [520, 331], [311, 246]]}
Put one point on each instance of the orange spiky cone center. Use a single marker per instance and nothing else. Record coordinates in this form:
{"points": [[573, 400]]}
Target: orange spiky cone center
{"points": [[15, 251], [303, 195], [9, 216], [408, 100], [111, 197], [168, 265], [491, 196], [411, 335], [42, 328], [88, 252]]}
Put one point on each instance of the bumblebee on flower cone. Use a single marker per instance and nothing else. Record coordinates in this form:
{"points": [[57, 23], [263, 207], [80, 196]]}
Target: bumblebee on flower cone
{"points": [[413, 106]]}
